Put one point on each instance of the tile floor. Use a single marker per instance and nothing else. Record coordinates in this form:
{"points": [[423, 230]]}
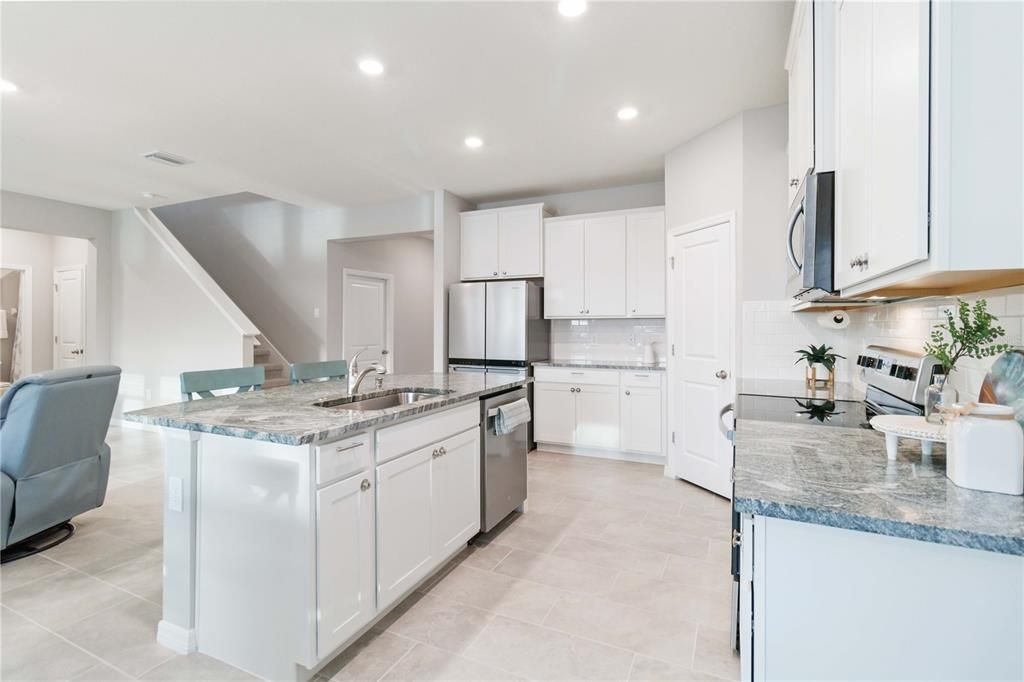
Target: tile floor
{"points": [[615, 573]]}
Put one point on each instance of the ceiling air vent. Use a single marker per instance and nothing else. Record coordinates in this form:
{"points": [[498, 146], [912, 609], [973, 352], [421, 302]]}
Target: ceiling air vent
{"points": [[167, 158]]}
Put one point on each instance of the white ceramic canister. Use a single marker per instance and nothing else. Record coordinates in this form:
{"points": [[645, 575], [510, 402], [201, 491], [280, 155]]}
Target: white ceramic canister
{"points": [[985, 449]]}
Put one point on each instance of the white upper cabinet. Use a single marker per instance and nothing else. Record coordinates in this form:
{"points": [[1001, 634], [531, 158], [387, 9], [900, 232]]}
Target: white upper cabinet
{"points": [[503, 242], [605, 262], [882, 141], [645, 264], [605, 265], [800, 67]]}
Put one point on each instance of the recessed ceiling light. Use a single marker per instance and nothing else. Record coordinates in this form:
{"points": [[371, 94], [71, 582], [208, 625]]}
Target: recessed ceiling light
{"points": [[627, 113], [371, 67], [474, 142], [153, 195], [8, 86], [572, 8]]}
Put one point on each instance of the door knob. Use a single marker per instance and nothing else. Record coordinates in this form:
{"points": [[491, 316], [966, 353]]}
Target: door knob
{"points": [[722, 374]]}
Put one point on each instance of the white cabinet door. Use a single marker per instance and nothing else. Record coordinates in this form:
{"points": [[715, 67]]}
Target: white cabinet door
{"points": [[645, 264], [479, 245], [597, 416], [405, 543], [564, 268], [520, 231], [801, 96], [554, 413], [899, 136], [345, 594], [456, 480], [853, 141], [606, 266], [641, 420]]}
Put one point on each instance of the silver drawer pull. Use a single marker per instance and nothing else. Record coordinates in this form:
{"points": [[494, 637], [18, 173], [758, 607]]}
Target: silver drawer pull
{"points": [[350, 447]]}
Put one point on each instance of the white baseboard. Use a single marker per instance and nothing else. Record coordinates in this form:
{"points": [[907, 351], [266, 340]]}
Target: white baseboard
{"points": [[618, 455], [176, 638]]}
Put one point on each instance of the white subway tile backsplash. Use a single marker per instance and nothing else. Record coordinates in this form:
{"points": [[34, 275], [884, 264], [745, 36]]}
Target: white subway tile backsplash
{"points": [[611, 340]]}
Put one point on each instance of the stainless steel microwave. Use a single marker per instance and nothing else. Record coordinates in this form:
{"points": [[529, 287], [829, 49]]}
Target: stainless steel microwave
{"points": [[810, 239]]}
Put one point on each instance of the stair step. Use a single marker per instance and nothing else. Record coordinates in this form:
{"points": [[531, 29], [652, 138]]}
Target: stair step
{"points": [[274, 383], [271, 370], [261, 353]]}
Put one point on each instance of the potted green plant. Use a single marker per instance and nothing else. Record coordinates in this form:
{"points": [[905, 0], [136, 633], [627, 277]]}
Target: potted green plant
{"points": [[969, 333], [819, 355]]}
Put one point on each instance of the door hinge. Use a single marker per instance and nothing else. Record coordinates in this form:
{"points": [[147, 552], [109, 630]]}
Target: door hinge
{"points": [[672, 261], [673, 350], [673, 436], [55, 287], [55, 339]]}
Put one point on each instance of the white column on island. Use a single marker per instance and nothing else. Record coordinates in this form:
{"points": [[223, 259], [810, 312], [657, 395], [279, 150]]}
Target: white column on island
{"points": [[176, 630]]}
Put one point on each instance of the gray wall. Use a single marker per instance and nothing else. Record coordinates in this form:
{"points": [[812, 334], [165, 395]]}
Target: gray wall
{"points": [[57, 218], [270, 257], [594, 200], [411, 261]]}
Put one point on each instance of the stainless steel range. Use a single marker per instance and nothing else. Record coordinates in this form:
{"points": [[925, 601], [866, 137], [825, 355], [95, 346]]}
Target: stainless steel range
{"points": [[895, 382]]}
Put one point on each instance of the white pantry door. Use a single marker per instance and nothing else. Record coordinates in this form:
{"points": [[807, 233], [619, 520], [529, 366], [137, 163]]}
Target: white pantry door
{"points": [[69, 317], [367, 312], [702, 316]]}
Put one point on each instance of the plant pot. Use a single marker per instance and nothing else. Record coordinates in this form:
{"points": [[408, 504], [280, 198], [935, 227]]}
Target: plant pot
{"points": [[825, 378]]}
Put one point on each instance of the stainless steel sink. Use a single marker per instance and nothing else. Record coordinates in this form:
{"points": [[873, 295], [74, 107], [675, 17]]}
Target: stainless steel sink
{"points": [[378, 401]]}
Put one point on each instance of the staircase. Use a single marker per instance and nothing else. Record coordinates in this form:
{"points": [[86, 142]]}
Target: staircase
{"points": [[273, 363]]}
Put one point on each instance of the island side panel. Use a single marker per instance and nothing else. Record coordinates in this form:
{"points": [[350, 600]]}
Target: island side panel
{"points": [[256, 556], [176, 630], [843, 604]]}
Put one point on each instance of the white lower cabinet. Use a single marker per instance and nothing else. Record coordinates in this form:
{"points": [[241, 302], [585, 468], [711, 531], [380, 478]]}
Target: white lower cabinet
{"points": [[641, 419], [554, 419], [405, 548], [345, 591], [597, 417], [455, 478]]}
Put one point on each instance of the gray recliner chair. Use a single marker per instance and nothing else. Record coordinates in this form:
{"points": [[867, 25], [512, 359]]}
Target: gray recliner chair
{"points": [[54, 462]]}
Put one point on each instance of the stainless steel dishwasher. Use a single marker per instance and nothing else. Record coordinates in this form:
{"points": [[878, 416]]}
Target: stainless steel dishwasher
{"points": [[502, 462]]}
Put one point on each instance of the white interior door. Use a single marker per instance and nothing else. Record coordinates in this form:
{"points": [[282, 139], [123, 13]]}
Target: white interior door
{"points": [[367, 317], [69, 317], [702, 312]]}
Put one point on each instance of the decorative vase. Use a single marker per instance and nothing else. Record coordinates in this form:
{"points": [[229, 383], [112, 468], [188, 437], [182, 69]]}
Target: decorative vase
{"points": [[816, 382], [938, 397]]}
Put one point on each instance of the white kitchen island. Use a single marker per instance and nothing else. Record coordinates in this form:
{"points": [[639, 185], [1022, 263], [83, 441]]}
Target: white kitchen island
{"points": [[290, 528]]}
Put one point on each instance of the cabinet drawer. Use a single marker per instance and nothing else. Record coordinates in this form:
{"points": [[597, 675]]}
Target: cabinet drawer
{"points": [[431, 428], [606, 377], [342, 458], [642, 379]]}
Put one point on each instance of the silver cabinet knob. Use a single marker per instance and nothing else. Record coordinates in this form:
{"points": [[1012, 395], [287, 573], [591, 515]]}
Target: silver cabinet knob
{"points": [[627, 392], [504, 274], [495, 273], [442, 451], [793, 182], [365, 485], [435, 454], [722, 374]]}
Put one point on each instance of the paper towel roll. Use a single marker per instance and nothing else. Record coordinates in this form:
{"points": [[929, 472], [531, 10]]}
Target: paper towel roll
{"points": [[834, 320]]}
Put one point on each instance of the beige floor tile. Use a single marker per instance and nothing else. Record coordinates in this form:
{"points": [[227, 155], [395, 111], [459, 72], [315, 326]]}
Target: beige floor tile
{"points": [[29, 652], [101, 672], [47, 600], [714, 654], [368, 658], [693, 604], [698, 525], [600, 553], [496, 593], [565, 574], [23, 571], [427, 663], [703, 573], [123, 636], [95, 552], [196, 667], [484, 555], [658, 634], [650, 669], [442, 623], [543, 654], [531, 532], [143, 577], [640, 535]]}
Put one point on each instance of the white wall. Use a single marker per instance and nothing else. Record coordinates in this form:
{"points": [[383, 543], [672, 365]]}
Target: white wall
{"points": [[270, 257], [411, 261], [36, 252], [162, 324], [57, 218], [447, 265], [594, 200]]}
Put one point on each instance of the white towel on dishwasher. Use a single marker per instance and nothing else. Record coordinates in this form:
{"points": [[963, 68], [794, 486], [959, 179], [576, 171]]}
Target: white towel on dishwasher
{"points": [[511, 415]]}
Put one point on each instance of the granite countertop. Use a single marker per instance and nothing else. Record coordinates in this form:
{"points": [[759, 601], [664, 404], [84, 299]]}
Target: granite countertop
{"points": [[603, 364], [841, 477], [788, 388], [288, 416]]}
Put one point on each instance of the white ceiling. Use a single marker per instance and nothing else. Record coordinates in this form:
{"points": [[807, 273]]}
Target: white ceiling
{"points": [[266, 97]]}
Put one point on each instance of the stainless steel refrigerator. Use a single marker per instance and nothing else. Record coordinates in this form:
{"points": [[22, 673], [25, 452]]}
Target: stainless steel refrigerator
{"points": [[496, 327]]}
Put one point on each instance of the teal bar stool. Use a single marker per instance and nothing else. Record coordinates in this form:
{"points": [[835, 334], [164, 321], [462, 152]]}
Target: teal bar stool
{"points": [[315, 371], [205, 382]]}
